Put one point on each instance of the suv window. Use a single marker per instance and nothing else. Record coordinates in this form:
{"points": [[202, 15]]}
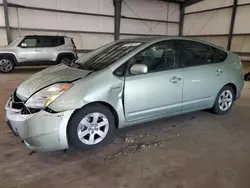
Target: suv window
{"points": [[51, 41], [220, 55], [158, 57], [30, 42], [195, 54]]}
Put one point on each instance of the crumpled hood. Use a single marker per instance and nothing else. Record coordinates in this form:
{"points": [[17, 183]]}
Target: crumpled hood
{"points": [[59, 73]]}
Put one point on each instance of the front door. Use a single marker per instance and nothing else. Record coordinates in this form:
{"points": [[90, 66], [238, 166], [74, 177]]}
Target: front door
{"points": [[159, 91], [29, 50], [203, 77]]}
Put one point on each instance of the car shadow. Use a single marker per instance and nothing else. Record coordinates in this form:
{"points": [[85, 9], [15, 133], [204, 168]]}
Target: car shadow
{"points": [[247, 76]]}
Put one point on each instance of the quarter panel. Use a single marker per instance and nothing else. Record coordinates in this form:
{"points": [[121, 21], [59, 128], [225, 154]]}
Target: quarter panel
{"points": [[202, 84]]}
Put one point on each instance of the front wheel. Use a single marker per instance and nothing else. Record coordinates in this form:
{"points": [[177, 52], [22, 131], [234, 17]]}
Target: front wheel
{"points": [[6, 64], [91, 127], [224, 101]]}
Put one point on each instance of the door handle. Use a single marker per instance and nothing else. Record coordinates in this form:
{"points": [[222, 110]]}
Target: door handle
{"points": [[38, 50], [175, 79], [219, 72]]}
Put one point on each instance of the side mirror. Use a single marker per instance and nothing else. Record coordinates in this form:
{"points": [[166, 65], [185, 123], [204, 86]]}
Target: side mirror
{"points": [[24, 45], [139, 69]]}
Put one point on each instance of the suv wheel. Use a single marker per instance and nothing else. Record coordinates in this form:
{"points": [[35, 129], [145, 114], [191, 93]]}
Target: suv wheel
{"points": [[65, 60], [6, 64], [224, 101], [91, 127]]}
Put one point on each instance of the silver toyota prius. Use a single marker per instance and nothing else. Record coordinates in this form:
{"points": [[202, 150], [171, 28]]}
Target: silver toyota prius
{"points": [[121, 84]]}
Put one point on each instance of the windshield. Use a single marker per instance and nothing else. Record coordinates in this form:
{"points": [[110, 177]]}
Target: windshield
{"points": [[107, 55]]}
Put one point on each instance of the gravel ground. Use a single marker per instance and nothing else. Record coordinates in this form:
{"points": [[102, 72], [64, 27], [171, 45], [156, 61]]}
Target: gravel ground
{"points": [[195, 150]]}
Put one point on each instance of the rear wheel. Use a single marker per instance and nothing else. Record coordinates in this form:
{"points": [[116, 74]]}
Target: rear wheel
{"points": [[6, 64], [91, 127], [66, 60], [224, 101]]}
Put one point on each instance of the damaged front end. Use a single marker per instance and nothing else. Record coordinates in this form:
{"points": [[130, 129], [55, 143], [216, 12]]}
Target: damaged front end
{"points": [[40, 129]]}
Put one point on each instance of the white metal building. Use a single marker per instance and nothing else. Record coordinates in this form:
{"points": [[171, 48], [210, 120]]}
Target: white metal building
{"points": [[92, 23]]}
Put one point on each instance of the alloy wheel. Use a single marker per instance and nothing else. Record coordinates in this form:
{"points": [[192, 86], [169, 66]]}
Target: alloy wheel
{"points": [[225, 100], [93, 128], [5, 65]]}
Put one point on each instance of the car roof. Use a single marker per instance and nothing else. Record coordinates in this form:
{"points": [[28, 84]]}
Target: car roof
{"points": [[159, 38], [46, 36]]}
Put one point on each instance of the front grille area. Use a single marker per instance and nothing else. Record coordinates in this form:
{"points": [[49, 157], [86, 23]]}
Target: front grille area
{"points": [[17, 103]]}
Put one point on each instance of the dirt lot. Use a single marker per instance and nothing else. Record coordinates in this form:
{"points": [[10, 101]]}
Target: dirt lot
{"points": [[196, 150]]}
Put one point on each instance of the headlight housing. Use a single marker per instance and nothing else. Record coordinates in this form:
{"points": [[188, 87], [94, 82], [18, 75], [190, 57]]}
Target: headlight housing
{"points": [[46, 96]]}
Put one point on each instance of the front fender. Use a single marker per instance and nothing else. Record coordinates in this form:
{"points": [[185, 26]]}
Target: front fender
{"points": [[97, 87]]}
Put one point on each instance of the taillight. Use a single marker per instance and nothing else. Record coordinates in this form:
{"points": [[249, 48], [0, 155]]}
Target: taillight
{"points": [[74, 48]]}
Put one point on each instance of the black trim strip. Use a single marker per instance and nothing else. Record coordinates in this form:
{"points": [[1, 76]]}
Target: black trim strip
{"points": [[207, 10]]}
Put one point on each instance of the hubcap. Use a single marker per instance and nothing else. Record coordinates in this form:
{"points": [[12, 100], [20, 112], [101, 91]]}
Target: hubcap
{"points": [[225, 100], [5, 65], [93, 128]]}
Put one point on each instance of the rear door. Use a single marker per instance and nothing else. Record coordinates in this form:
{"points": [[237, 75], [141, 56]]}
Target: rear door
{"points": [[203, 76], [51, 46], [29, 50]]}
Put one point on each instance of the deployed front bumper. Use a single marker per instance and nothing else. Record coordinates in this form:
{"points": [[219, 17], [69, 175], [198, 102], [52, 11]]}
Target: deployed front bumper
{"points": [[40, 131]]}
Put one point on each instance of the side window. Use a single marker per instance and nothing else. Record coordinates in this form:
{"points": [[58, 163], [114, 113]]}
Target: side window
{"points": [[60, 40], [158, 57], [220, 55], [51, 41], [195, 54], [29, 42]]}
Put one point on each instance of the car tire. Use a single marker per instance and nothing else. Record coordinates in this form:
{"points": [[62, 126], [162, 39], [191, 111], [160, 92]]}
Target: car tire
{"points": [[91, 127], [65, 60], [6, 64], [224, 100]]}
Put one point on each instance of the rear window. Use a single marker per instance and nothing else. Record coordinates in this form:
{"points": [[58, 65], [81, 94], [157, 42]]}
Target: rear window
{"points": [[221, 56]]}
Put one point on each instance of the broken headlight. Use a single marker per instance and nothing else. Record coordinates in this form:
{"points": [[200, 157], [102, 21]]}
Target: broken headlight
{"points": [[46, 96]]}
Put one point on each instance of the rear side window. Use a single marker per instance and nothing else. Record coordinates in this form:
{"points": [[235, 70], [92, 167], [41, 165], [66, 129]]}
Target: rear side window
{"points": [[220, 55], [195, 54], [51, 41]]}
